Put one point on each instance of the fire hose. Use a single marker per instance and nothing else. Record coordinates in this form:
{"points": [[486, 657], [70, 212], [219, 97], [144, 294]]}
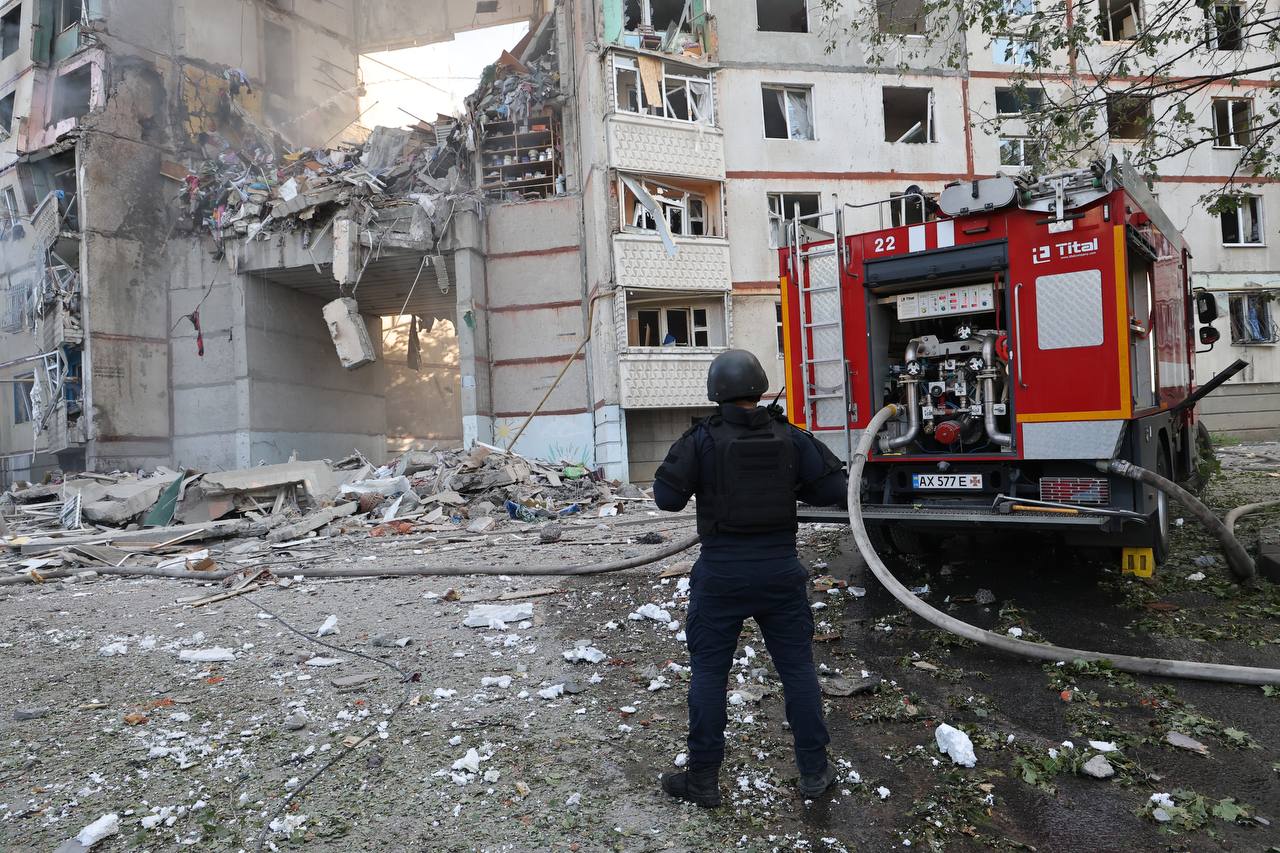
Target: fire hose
{"points": [[412, 571], [1229, 673]]}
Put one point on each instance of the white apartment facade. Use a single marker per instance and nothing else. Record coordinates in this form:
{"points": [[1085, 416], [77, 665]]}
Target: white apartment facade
{"points": [[797, 121]]}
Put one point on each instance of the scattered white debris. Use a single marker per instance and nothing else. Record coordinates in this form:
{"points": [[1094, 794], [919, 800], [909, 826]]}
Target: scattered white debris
{"points": [[455, 740], [496, 616], [293, 782], [1162, 802], [650, 611], [502, 681], [956, 744], [329, 626], [857, 591], [444, 693], [110, 650], [658, 684], [682, 759], [492, 775], [217, 654], [1103, 745], [589, 654], [103, 827], [552, 692], [883, 792], [151, 821], [288, 824], [319, 661], [469, 762], [1014, 632], [1196, 576], [574, 799]]}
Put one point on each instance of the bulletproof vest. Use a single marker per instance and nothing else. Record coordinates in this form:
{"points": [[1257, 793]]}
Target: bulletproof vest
{"points": [[756, 476]]}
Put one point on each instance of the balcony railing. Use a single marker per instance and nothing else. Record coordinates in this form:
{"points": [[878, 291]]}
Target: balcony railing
{"points": [[664, 147], [670, 378], [700, 263]]}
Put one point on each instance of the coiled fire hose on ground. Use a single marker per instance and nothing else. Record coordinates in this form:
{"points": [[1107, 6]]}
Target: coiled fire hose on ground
{"points": [[1128, 663]]}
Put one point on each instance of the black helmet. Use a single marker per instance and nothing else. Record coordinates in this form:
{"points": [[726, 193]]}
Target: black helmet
{"points": [[736, 375]]}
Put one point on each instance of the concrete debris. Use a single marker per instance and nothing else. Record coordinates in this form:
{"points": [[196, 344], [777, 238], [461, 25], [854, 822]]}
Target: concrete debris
{"points": [[650, 611], [497, 616], [1098, 767], [1187, 742], [217, 654], [330, 626], [103, 827], [585, 653], [21, 715], [984, 597], [955, 744]]}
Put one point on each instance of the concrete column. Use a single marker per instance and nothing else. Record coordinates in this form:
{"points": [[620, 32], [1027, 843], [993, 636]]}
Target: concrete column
{"points": [[473, 330]]}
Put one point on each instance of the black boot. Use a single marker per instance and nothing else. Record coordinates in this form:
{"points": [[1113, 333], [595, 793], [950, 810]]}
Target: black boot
{"points": [[701, 786], [814, 785]]}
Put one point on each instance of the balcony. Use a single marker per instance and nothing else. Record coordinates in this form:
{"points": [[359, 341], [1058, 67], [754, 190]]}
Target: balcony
{"points": [[664, 147], [701, 263], [665, 379]]}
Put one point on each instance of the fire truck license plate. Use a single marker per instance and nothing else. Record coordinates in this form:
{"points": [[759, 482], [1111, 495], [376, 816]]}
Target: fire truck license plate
{"points": [[946, 481]]}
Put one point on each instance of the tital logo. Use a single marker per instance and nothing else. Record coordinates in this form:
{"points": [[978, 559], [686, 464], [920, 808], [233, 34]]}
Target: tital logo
{"points": [[1061, 251]]}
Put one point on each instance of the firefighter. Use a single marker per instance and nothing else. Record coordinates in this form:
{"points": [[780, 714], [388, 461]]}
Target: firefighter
{"points": [[748, 466]]}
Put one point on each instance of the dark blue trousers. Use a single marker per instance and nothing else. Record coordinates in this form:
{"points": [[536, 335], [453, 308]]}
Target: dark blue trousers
{"points": [[774, 593]]}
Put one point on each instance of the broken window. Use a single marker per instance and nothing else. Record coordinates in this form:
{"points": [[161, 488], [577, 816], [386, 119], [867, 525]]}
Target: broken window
{"points": [[10, 215], [1119, 20], [1243, 226], [908, 115], [782, 16], [907, 209], [1018, 101], [279, 66], [1251, 320], [10, 31], [71, 93], [655, 320], [787, 112], [653, 20], [782, 209], [67, 14], [1226, 25], [1011, 51], [901, 17], [6, 113], [1128, 117], [1017, 151], [685, 212], [22, 388], [647, 86], [1232, 118]]}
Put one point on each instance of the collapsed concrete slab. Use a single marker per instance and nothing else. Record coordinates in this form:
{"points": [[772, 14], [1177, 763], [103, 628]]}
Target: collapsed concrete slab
{"points": [[316, 477], [350, 334], [121, 502]]}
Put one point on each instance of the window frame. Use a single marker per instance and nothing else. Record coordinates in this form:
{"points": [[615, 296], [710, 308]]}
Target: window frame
{"points": [[1017, 51], [807, 24], [60, 10], [1148, 117], [1023, 147], [782, 339], [675, 209], [930, 123], [921, 21], [1025, 104], [625, 63], [16, 44], [23, 384], [898, 207], [698, 329], [1232, 132], [1259, 216], [782, 214], [788, 89], [1105, 19], [1234, 298], [1216, 22]]}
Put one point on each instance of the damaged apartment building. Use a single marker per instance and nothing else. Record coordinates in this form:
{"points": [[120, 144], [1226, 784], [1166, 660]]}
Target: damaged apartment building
{"points": [[209, 263]]}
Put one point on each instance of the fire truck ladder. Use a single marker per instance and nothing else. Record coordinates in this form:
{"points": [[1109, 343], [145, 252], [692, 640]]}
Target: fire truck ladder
{"points": [[824, 367]]}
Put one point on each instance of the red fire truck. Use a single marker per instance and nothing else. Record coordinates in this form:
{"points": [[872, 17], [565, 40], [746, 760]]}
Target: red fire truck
{"points": [[1028, 330]]}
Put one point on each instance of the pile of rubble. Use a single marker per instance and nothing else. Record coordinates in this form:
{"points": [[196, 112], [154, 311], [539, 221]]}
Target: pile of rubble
{"points": [[88, 520]]}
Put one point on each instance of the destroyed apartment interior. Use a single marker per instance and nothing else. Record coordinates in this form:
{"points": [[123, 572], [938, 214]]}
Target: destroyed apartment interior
{"points": [[342, 343]]}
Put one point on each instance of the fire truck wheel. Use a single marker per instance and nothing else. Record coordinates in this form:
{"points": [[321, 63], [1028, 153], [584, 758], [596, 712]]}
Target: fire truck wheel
{"points": [[879, 536], [910, 541]]}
